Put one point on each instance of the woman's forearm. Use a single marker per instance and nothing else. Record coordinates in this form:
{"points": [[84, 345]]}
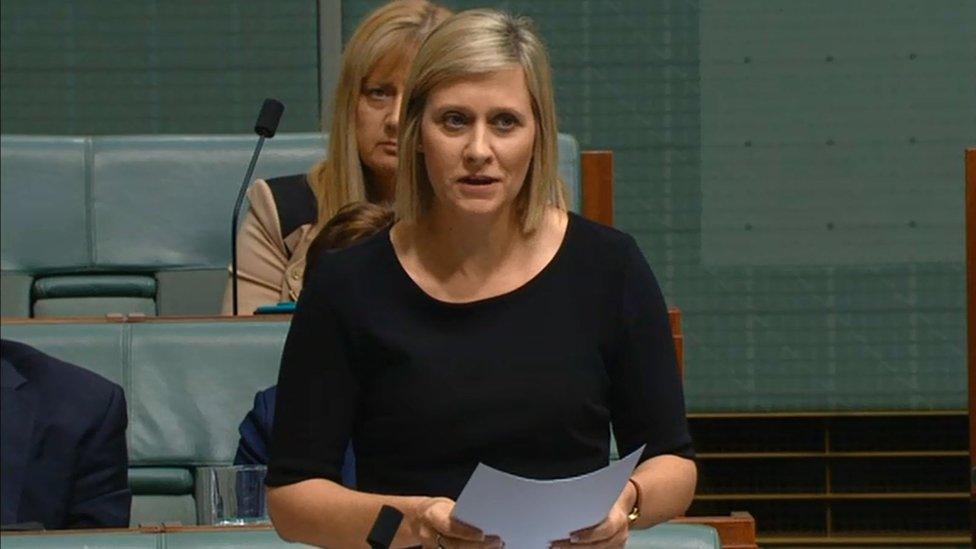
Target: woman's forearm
{"points": [[667, 487], [322, 513]]}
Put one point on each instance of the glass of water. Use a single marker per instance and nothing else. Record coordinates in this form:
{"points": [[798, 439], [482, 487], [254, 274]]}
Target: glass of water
{"points": [[231, 495]]}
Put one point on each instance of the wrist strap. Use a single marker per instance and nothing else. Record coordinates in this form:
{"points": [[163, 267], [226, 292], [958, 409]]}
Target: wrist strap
{"points": [[636, 511]]}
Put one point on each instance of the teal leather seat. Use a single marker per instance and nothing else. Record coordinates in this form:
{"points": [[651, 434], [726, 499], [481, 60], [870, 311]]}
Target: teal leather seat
{"points": [[188, 384], [675, 536], [664, 536], [138, 224], [95, 540]]}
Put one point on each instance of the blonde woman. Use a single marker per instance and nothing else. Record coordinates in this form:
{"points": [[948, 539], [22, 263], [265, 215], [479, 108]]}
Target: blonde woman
{"points": [[487, 325], [286, 213]]}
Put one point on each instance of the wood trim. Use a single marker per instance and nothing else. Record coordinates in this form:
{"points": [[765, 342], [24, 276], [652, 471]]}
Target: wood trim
{"points": [[737, 531], [597, 183], [971, 312], [674, 319]]}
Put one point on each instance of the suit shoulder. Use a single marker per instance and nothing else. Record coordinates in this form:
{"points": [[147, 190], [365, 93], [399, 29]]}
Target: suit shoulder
{"points": [[54, 373]]}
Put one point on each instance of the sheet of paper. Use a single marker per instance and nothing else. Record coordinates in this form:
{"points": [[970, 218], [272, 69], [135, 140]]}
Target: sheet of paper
{"points": [[529, 514]]}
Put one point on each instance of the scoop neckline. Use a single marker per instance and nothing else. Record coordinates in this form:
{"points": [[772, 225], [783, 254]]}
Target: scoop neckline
{"points": [[570, 222]]}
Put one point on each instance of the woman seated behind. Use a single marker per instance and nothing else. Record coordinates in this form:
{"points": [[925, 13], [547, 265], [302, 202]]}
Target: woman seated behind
{"points": [[353, 223], [287, 212], [487, 325]]}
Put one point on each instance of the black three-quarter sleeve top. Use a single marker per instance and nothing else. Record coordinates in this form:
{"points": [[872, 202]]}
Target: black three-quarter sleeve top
{"points": [[528, 382]]}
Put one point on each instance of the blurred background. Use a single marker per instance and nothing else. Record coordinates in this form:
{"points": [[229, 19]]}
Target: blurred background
{"points": [[793, 171]]}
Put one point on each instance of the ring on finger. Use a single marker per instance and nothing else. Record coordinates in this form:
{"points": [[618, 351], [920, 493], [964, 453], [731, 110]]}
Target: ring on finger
{"points": [[440, 541]]}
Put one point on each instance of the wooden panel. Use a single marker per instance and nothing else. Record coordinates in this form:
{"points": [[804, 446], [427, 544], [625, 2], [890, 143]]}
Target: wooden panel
{"points": [[971, 310], [737, 531], [674, 318], [597, 186]]}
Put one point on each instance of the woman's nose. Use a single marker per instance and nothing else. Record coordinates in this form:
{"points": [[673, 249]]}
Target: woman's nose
{"points": [[392, 119], [478, 149]]}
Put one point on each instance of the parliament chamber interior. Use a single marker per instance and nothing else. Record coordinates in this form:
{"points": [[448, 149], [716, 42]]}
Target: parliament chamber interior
{"points": [[800, 176]]}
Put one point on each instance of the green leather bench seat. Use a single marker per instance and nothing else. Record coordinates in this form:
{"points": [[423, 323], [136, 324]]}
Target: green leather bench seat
{"points": [[78, 295], [664, 536], [52, 287], [160, 480], [99, 540], [188, 384], [157, 207]]}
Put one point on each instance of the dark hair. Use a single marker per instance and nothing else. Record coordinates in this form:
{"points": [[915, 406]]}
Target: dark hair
{"points": [[352, 223]]}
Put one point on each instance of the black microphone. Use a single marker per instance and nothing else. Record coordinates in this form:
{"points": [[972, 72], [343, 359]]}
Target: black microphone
{"points": [[265, 127], [384, 528]]}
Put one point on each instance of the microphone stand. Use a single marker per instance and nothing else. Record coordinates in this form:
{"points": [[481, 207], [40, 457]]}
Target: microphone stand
{"points": [[237, 211]]}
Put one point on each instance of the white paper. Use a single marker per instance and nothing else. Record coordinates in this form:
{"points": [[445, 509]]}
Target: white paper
{"points": [[529, 514]]}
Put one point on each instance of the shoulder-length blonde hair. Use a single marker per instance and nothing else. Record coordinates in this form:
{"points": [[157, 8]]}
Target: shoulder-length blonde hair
{"points": [[394, 29], [471, 43]]}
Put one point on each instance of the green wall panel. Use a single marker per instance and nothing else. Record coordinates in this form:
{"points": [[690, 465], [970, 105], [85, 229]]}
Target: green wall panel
{"points": [[139, 66], [781, 311]]}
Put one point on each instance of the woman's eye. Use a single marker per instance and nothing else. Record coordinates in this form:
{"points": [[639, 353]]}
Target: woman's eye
{"points": [[454, 120], [506, 122], [376, 93]]}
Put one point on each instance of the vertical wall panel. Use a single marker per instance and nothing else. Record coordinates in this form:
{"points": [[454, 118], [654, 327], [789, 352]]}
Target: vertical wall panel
{"points": [[148, 66]]}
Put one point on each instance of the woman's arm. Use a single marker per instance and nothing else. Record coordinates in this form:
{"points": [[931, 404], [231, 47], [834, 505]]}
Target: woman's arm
{"points": [[667, 486], [323, 513]]}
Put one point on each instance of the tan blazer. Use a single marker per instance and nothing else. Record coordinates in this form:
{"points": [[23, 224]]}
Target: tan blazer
{"points": [[270, 265]]}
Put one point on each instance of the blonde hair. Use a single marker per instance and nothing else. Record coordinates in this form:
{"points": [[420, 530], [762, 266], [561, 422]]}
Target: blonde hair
{"points": [[472, 43], [396, 29]]}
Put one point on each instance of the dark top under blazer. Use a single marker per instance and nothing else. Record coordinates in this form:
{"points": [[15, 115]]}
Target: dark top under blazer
{"points": [[294, 201], [527, 382], [63, 450], [255, 431]]}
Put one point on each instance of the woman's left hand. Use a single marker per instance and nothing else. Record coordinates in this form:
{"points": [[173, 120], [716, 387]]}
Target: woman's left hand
{"points": [[611, 533]]}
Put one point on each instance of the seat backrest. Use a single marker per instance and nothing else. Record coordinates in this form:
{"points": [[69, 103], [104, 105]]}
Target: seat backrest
{"points": [[150, 206], [165, 202], [44, 222]]}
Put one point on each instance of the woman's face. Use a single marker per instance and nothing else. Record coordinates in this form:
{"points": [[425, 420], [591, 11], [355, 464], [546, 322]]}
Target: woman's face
{"points": [[376, 120], [477, 136]]}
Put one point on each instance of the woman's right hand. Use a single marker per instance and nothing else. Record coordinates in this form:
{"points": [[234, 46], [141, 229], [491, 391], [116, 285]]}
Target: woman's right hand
{"points": [[435, 528]]}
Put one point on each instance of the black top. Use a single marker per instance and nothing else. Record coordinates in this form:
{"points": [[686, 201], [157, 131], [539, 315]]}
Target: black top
{"points": [[294, 201], [527, 382]]}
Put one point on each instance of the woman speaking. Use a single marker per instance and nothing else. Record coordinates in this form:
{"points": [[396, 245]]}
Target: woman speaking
{"points": [[487, 325]]}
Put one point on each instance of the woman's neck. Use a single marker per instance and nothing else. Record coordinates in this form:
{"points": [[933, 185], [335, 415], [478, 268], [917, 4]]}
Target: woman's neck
{"points": [[379, 187], [473, 245]]}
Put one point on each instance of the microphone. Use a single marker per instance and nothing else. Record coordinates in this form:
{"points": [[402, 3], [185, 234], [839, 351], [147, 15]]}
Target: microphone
{"points": [[384, 528], [265, 127]]}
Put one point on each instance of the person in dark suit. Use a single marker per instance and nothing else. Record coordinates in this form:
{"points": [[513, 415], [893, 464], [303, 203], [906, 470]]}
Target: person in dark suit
{"points": [[63, 451]]}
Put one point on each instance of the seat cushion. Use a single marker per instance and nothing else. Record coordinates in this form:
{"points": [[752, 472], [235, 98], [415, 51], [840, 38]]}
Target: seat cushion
{"points": [[569, 170], [93, 306], [160, 480], [675, 536], [95, 285]]}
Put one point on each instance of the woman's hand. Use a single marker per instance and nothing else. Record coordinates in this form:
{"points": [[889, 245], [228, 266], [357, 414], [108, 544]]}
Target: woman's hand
{"points": [[435, 528], [612, 532]]}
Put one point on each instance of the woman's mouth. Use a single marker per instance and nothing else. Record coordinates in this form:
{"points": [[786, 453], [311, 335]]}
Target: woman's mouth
{"points": [[477, 180]]}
